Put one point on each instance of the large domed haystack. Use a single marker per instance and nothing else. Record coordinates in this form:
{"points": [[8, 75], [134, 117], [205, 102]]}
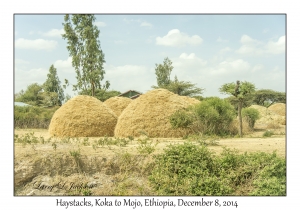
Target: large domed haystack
{"points": [[150, 113], [267, 116], [83, 116], [117, 104], [278, 108]]}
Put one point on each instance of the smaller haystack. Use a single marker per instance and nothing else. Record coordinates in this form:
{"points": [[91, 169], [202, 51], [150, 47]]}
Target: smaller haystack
{"points": [[150, 113], [83, 116], [117, 104], [267, 116], [278, 108]]}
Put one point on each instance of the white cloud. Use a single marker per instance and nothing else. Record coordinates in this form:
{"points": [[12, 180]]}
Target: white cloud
{"points": [[122, 77], [238, 66], [64, 65], [257, 68], [54, 33], [23, 77], [37, 44], [21, 61], [226, 49], [146, 24], [276, 47], [221, 40], [254, 47], [175, 38], [100, 24]]}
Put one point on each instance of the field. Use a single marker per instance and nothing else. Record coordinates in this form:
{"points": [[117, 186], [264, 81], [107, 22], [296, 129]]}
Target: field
{"points": [[110, 166]]}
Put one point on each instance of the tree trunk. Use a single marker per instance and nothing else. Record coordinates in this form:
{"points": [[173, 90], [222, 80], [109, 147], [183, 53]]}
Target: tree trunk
{"points": [[93, 89], [240, 118]]}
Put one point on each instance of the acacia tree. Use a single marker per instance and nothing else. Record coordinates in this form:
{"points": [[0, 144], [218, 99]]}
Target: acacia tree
{"points": [[266, 97], [84, 47], [163, 78], [240, 90], [52, 85]]}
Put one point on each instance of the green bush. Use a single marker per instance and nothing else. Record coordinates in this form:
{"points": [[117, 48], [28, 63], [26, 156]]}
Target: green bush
{"points": [[212, 116], [187, 170], [33, 117], [251, 115], [268, 133], [190, 169]]}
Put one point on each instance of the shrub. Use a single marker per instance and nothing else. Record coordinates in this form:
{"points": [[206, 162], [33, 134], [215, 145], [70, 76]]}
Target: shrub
{"points": [[187, 170], [268, 133], [212, 116], [33, 117], [190, 169], [251, 115]]}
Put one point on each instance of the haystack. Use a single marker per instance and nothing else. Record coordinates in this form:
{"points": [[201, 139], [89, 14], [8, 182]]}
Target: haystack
{"points": [[278, 108], [267, 116], [83, 116], [117, 104], [150, 114], [191, 100]]}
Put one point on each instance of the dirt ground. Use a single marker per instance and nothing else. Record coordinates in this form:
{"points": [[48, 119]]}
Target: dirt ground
{"points": [[40, 169]]}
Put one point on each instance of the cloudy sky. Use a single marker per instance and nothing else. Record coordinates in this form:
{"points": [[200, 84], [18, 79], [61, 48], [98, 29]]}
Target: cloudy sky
{"points": [[208, 50]]}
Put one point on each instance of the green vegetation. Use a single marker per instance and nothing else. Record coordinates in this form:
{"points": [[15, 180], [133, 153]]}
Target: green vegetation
{"points": [[163, 77], [33, 117], [83, 45], [268, 133], [240, 90], [266, 97], [53, 92], [251, 116], [190, 169], [212, 116]]}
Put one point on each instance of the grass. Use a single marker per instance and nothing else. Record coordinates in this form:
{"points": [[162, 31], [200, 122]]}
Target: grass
{"points": [[126, 167]]}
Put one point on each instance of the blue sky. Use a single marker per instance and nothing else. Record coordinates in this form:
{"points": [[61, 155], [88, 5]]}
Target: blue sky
{"points": [[208, 50]]}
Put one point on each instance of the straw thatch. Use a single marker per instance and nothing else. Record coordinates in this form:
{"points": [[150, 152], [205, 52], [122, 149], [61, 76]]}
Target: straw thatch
{"points": [[267, 116], [150, 114], [117, 104], [83, 116], [278, 108]]}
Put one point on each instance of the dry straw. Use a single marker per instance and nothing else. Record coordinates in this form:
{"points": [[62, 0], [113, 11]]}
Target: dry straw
{"points": [[191, 100], [150, 114], [278, 108], [117, 104], [83, 116], [267, 116]]}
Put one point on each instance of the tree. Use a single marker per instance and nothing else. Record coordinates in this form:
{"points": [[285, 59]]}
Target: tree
{"points": [[32, 95], [183, 88], [240, 90], [266, 97], [84, 47], [163, 72], [52, 85]]}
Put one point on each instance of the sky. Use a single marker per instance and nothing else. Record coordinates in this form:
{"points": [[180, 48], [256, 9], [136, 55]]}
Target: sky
{"points": [[207, 50]]}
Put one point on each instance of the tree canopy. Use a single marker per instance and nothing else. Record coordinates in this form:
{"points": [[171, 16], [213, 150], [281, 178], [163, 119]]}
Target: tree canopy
{"points": [[183, 88], [267, 97], [52, 86], [83, 45], [240, 90]]}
